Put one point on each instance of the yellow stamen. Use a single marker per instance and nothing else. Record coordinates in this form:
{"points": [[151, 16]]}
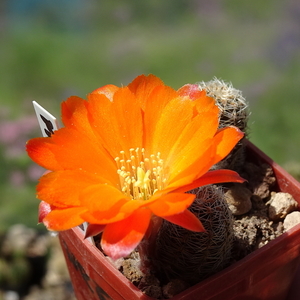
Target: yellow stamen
{"points": [[140, 176]]}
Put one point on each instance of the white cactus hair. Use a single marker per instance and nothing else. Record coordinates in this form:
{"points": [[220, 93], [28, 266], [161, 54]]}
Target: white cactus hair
{"points": [[233, 106], [233, 112]]}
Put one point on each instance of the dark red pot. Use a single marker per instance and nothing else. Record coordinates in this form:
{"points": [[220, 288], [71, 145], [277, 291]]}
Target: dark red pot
{"points": [[267, 273]]}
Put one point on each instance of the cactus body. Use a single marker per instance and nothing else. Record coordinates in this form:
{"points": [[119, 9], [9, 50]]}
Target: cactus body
{"points": [[192, 256], [233, 112]]}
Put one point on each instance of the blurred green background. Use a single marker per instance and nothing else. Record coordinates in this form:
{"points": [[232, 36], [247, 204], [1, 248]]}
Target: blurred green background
{"points": [[51, 49]]}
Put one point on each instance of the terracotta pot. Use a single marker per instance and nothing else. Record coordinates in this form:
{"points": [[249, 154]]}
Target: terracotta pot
{"points": [[266, 273]]}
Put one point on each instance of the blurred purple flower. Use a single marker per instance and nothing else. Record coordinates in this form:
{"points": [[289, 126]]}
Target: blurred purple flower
{"points": [[17, 178], [13, 137], [14, 134], [11, 131], [34, 172]]}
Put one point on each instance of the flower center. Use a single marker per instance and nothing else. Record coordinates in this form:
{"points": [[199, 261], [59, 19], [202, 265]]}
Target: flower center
{"points": [[140, 176]]}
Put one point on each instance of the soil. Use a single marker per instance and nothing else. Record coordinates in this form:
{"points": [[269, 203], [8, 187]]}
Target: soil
{"points": [[252, 230]]}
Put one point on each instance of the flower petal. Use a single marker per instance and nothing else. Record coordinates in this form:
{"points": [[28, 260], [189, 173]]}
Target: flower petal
{"points": [[101, 197], [107, 204], [120, 239], [225, 140], [142, 86], [164, 125], [155, 106], [63, 188], [40, 150], [181, 137], [63, 219], [69, 149], [44, 210], [192, 91], [193, 150], [75, 116], [187, 220], [195, 168], [204, 102], [118, 124], [93, 229], [108, 91], [191, 163], [171, 204], [212, 177], [74, 113]]}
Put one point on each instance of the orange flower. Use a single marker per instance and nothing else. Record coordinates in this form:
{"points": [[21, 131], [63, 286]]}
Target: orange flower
{"points": [[127, 154]]}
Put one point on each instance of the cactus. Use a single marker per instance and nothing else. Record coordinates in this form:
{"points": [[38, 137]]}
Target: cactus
{"points": [[192, 256], [232, 104], [233, 112]]}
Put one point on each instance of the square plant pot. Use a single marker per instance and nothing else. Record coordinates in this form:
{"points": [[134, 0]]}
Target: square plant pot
{"points": [[266, 273]]}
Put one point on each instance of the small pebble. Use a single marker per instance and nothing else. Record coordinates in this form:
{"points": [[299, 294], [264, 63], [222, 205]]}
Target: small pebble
{"points": [[238, 198], [291, 220], [281, 204]]}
